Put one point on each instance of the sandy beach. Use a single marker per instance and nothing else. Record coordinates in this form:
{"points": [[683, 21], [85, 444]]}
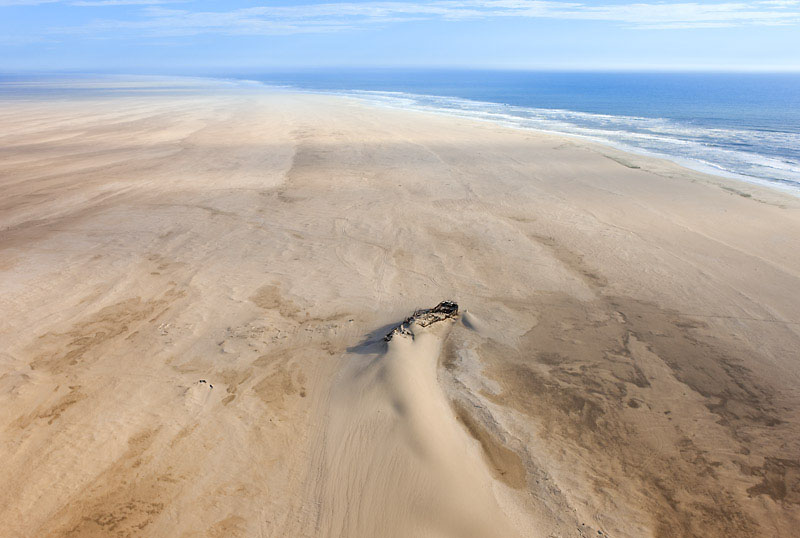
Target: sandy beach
{"points": [[195, 288]]}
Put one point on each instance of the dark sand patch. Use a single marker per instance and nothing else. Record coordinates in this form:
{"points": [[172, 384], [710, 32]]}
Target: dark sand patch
{"points": [[504, 463], [284, 378], [577, 373], [86, 339]]}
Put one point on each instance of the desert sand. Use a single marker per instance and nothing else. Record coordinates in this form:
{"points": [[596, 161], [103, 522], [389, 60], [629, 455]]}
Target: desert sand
{"points": [[195, 286]]}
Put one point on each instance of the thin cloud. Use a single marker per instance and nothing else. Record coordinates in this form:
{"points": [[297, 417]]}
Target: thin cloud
{"points": [[341, 16], [89, 3], [101, 3], [26, 2]]}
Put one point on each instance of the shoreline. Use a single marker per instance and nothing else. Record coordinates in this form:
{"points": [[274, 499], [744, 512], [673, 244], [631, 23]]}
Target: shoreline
{"points": [[761, 190], [370, 98]]}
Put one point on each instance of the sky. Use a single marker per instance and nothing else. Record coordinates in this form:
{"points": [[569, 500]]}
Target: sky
{"points": [[207, 37]]}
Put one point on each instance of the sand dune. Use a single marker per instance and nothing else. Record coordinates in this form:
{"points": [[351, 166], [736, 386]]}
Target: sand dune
{"points": [[396, 462], [195, 288]]}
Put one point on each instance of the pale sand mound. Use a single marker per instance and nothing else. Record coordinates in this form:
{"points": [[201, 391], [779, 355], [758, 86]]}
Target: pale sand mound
{"points": [[194, 291], [395, 461]]}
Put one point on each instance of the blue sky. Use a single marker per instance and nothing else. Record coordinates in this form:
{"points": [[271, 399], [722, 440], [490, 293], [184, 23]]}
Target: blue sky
{"points": [[201, 36]]}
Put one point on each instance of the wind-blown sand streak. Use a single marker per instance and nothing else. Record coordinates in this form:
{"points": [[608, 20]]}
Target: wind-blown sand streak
{"points": [[195, 290]]}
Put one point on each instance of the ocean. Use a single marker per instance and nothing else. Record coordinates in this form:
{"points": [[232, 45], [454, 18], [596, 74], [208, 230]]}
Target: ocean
{"points": [[745, 126]]}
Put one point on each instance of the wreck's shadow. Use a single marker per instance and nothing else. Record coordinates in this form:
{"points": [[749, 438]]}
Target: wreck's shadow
{"points": [[373, 342]]}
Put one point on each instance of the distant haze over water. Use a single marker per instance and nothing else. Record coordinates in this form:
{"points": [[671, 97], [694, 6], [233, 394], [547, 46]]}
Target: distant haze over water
{"points": [[740, 125]]}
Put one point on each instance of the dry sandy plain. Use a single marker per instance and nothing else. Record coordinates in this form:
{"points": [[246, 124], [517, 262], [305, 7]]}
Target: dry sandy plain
{"points": [[194, 286]]}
